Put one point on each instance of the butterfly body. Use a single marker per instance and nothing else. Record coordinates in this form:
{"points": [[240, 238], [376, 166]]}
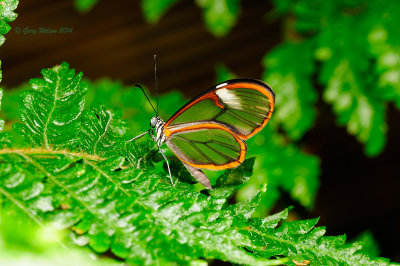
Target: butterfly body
{"points": [[209, 132], [157, 123]]}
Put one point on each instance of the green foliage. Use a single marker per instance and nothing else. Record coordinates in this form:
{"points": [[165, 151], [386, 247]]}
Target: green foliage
{"points": [[4, 138], [1, 120], [85, 5], [384, 45], [134, 212], [281, 166], [349, 84], [388, 69], [357, 45], [45, 246], [51, 112], [219, 15], [237, 176], [291, 80], [102, 131], [363, 114], [369, 244], [7, 15], [153, 10]]}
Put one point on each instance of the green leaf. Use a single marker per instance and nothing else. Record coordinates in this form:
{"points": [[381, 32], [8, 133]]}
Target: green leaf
{"points": [[237, 176], [273, 220], [289, 70], [247, 207], [388, 69], [154, 10], [220, 15], [1, 120], [280, 166], [44, 246], [350, 89], [359, 58], [302, 241], [7, 15], [51, 111], [282, 6], [85, 5], [312, 15], [11, 101], [178, 170], [368, 242], [102, 131], [149, 215], [5, 140]]}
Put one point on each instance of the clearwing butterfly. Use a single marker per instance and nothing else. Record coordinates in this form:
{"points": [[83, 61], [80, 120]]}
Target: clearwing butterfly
{"points": [[209, 132]]}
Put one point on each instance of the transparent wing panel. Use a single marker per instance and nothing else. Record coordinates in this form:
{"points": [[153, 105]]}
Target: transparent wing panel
{"points": [[210, 148]]}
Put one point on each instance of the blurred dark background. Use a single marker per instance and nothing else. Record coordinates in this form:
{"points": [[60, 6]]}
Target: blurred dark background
{"points": [[115, 41], [356, 193]]}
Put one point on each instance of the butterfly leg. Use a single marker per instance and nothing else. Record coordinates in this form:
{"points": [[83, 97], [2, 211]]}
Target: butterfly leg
{"points": [[139, 136], [199, 175], [159, 141], [165, 158]]}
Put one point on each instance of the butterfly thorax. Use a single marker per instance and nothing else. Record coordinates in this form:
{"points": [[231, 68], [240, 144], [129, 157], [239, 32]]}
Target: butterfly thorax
{"points": [[158, 135]]}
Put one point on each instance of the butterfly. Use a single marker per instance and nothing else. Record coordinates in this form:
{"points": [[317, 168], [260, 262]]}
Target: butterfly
{"points": [[209, 132]]}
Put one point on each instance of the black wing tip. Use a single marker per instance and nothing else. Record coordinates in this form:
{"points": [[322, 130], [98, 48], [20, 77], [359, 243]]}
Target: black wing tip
{"points": [[250, 80]]}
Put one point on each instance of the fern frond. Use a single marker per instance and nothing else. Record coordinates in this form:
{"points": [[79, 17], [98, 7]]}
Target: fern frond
{"points": [[292, 81], [7, 15], [102, 131], [51, 111], [136, 220]]}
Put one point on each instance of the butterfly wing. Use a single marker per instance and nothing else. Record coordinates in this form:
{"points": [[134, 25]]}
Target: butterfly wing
{"points": [[243, 105], [208, 145], [199, 175]]}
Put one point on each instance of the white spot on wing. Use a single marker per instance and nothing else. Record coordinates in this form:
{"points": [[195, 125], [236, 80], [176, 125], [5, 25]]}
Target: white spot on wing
{"points": [[229, 98], [221, 85]]}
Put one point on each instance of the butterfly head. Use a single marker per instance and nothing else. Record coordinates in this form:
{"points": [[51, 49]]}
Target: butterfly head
{"points": [[156, 121]]}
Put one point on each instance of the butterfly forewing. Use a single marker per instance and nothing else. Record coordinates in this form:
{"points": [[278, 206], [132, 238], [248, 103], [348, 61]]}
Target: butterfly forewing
{"points": [[244, 105], [206, 145]]}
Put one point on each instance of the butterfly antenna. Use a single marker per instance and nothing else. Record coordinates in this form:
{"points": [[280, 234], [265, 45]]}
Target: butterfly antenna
{"points": [[155, 77], [140, 87]]}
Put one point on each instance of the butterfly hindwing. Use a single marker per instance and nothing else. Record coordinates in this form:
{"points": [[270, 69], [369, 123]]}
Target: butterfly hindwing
{"points": [[199, 175], [208, 145], [244, 105]]}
